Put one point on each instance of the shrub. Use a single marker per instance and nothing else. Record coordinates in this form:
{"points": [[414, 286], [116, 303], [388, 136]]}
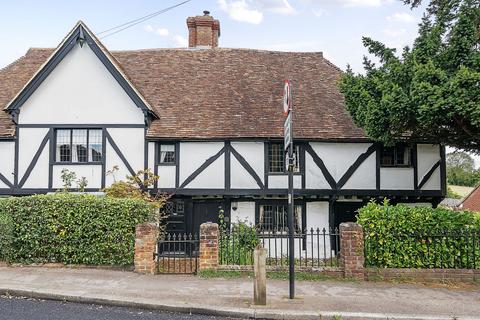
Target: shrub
{"points": [[6, 230], [421, 237], [74, 228], [236, 245]]}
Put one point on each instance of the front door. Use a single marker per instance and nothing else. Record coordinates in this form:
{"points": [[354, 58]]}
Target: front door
{"points": [[207, 211], [346, 211]]}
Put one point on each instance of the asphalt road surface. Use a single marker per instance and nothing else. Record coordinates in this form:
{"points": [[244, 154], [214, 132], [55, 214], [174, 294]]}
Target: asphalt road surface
{"points": [[13, 308]]}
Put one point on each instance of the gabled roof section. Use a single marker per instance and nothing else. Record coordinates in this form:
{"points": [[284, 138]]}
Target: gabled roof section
{"points": [[79, 35]]}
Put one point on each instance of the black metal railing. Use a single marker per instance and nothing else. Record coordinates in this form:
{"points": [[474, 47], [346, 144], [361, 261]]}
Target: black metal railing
{"points": [[314, 248], [457, 250], [178, 253]]}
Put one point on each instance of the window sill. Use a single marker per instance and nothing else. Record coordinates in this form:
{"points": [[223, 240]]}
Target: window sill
{"points": [[166, 164]]}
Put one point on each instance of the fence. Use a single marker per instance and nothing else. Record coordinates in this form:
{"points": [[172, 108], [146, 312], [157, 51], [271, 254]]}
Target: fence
{"points": [[178, 253], [314, 248], [453, 250]]}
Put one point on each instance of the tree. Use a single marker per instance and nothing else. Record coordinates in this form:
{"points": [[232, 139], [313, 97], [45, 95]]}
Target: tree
{"points": [[431, 91], [461, 169]]}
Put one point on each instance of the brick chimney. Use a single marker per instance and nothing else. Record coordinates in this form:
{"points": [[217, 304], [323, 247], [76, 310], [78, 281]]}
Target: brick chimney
{"points": [[203, 31]]}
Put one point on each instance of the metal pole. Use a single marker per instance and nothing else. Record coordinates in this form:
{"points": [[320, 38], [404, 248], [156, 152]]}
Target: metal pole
{"points": [[291, 206], [291, 244]]}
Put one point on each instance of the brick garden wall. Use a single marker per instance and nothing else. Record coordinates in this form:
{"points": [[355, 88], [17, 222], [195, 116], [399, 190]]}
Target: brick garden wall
{"points": [[351, 258]]}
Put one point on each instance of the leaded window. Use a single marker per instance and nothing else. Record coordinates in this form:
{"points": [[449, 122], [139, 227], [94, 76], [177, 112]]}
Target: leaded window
{"points": [[397, 156], [78, 145], [274, 218], [167, 154], [277, 158]]}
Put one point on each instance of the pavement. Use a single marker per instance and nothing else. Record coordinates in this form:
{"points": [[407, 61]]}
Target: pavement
{"points": [[232, 297]]}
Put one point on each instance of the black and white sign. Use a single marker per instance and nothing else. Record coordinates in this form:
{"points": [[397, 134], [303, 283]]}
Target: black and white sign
{"points": [[287, 131], [287, 98]]}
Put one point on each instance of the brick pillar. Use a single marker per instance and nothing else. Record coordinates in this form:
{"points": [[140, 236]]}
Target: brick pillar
{"points": [[208, 246], [351, 250], [146, 236]]}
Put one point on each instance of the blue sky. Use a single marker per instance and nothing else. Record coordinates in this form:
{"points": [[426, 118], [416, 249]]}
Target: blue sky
{"points": [[334, 27]]}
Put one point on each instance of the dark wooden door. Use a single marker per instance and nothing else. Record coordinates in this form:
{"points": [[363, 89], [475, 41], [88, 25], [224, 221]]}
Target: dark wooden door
{"points": [[206, 211], [346, 211]]}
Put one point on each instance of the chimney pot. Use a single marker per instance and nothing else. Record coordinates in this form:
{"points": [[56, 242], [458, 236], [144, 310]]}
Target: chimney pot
{"points": [[203, 31]]}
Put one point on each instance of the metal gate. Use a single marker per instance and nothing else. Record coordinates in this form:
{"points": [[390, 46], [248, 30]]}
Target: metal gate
{"points": [[178, 253]]}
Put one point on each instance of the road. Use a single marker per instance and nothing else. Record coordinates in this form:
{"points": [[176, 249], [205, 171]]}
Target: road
{"points": [[12, 308]]}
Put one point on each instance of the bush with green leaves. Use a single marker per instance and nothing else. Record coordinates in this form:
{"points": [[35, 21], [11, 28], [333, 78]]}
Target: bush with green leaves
{"points": [[236, 245], [6, 230], [72, 228], [420, 237]]}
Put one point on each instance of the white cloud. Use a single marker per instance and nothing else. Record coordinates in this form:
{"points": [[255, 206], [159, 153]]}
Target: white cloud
{"points": [[160, 31], [180, 41], [349, 3], [394, 33], [251, 11], [276, 6], [240, 10], [401, 17], [318, 12]]}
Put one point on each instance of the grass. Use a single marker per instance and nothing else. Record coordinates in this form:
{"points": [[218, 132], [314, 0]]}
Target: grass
{"points": [[273, 275], [461, 190]]}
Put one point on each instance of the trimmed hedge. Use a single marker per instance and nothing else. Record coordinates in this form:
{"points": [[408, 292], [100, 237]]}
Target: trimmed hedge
{"points": [[421, 237], [72, 228]]}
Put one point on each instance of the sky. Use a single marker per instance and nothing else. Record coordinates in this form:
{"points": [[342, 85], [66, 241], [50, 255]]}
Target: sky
{"points": [[334, 27]]}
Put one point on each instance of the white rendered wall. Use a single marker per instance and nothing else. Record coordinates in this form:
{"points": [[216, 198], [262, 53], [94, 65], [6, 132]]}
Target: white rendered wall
{"points": [[427, 156], [151, 156], [30, 140], [80, 90], [38, 178], [240, 177], [245, 212], [365, 175], [281, 181], [253, 153], [7, 161], [314, 178], [338, 157], [193, 155], [166, 176], [93, 174], [130, 141], [396, 178]]}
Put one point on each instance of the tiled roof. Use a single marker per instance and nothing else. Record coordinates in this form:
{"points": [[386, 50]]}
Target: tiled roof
{"points": [[472, 201], [219, 93]]}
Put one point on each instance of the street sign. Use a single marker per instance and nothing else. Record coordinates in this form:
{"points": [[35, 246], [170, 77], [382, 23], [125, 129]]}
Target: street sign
{"points": [[287, 97], [287, 131]]}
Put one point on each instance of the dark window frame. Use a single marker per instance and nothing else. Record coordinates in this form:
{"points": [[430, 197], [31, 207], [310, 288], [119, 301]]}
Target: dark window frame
{"points": [[281, 202], [159, 153], [298, 149], [395, 150], [70, 162]]}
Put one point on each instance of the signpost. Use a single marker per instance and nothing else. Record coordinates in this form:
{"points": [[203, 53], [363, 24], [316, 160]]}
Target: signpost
{"points": [[288, 144]]}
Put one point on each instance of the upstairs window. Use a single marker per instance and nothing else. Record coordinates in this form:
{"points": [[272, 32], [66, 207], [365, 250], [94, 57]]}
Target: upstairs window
{"points": [[277, 158], [397, 156], [167, 154], [78, 145]]}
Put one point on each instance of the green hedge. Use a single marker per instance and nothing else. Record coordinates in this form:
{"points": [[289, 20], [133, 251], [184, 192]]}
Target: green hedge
{"points": [[421, 237], [71, 228]]}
